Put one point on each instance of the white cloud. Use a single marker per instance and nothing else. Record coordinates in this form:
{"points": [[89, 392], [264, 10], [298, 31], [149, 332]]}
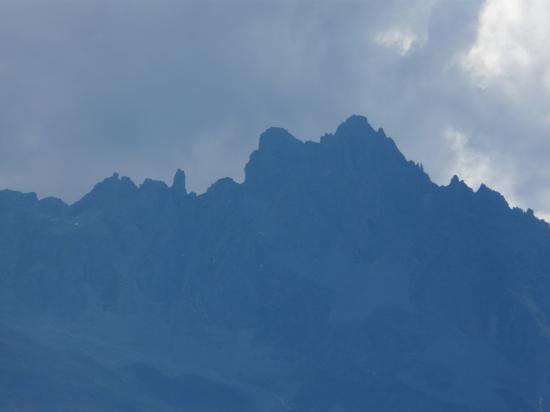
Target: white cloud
{"points": [[399, 40], [472, 167], [192, 84], [545, 194], [509, 62], [475, 167], [407, 27], [512, 48]]}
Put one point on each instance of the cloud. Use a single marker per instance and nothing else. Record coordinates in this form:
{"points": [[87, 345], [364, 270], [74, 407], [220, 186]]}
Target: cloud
{"points": [[475, 167], [509, 61], [146, 87], [407, 26], [471, 166], [512, 44], [402, 41]]}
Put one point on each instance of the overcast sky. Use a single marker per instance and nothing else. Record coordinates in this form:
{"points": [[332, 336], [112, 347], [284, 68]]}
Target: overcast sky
{"points": [[144, 87]]}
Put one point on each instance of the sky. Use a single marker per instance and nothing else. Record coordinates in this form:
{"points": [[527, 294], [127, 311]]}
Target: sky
{"points": [[90, 87]]}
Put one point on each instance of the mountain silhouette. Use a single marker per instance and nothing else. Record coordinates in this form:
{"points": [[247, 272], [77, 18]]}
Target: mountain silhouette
{"points": [[336, 277]]}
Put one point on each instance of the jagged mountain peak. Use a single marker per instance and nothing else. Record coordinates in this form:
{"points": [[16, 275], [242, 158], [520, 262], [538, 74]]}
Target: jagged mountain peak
{"points": [[457, 184], [179, 182], [277, 139], [355, 125], [113, 191], [113, 182], [14, 197], [492, 196], [355, 148], [337, 268]]}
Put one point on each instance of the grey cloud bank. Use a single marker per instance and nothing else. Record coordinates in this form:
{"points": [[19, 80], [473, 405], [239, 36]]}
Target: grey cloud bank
{"points": [[146, 87]]}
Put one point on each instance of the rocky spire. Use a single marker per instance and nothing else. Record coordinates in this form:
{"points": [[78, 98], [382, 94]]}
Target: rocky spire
{"points": [[178, 184]]}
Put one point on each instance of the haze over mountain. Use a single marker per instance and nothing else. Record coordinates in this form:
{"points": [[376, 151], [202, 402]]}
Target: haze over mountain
{"points": [[336, 277]]}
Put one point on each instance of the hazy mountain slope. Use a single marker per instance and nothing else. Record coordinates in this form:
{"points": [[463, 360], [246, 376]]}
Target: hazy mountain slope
{"points": [[337, 276]]}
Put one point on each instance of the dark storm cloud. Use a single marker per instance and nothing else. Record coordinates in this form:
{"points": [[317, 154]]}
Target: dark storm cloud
{"points": [[142, 87]]}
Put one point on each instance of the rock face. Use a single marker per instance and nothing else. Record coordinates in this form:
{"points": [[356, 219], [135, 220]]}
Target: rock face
{"points": [[336, 277]]}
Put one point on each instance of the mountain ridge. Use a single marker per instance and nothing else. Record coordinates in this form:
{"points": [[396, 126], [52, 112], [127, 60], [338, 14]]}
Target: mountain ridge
{"points": [[336, 276], [353, 128]]}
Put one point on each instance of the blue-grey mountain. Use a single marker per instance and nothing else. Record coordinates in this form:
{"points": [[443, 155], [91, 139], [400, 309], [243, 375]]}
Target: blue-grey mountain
{"points": [[336, 277]]}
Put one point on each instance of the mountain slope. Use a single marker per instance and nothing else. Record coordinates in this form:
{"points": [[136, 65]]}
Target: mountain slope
{"points": [[337, 276]]}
